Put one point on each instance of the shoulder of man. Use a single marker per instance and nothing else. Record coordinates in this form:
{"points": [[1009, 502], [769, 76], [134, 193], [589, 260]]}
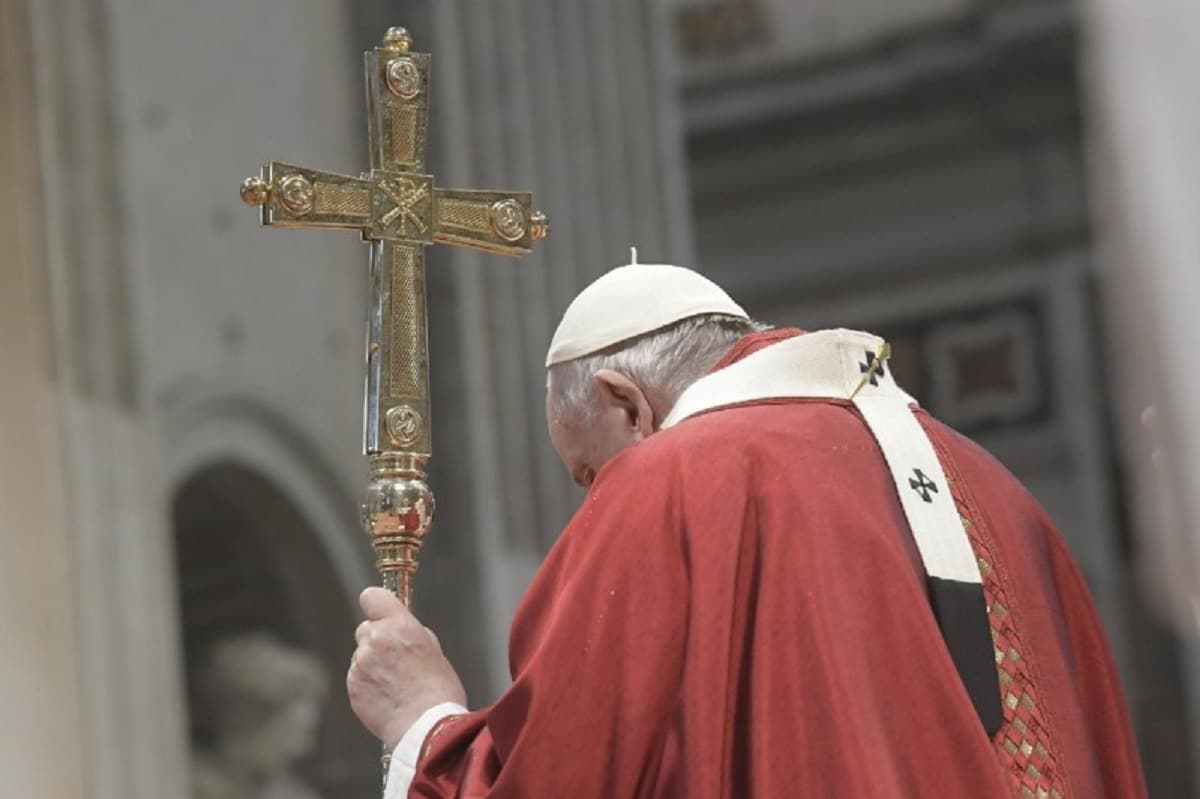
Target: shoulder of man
{"points": [[658, 461], [717, 448]]}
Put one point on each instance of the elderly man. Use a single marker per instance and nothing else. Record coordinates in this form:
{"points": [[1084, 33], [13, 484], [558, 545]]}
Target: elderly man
{"points": [[786, 579]]}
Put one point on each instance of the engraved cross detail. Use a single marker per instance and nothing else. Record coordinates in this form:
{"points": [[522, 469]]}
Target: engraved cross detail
{"points": [[405, 195]]}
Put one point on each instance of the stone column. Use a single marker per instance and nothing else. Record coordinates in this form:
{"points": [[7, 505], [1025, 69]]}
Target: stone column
{"points": [[93, 705], [577, 101], [40, 742]]}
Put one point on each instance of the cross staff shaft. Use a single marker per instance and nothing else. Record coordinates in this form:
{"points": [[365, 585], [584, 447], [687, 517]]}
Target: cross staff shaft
{"points": [[398, 211]]}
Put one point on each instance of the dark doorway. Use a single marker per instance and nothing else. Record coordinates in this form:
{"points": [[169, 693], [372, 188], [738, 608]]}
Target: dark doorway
{"points": [[247, 561]]}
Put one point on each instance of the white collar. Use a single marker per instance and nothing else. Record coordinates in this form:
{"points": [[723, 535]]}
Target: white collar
{"points": [[832, 364]]}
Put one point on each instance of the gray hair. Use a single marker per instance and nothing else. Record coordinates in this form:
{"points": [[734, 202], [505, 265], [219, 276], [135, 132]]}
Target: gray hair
{"points": [[664, 361]]}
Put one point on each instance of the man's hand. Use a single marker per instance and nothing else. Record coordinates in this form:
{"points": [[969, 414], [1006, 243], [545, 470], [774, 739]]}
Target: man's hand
{"points": [[398, 670]]}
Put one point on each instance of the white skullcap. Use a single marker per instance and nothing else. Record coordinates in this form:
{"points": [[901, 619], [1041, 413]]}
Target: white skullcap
{"points": [[632, 300]]}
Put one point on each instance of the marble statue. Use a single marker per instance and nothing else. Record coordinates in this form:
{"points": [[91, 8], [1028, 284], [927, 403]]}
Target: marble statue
{"points": [[259, 706]]}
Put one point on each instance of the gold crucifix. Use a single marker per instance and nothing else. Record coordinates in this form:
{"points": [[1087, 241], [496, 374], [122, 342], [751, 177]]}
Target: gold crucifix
{"points": [[399, 212]]}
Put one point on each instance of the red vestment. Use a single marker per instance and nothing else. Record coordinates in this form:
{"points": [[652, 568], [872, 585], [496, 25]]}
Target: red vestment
{"points": [[738, 609]]}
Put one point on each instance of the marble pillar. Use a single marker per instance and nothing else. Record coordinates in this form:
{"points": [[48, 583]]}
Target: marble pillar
{"points": [[92, 560], [41, 740]]}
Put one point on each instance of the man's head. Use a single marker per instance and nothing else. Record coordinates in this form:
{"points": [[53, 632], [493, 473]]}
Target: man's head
{"points": [[626, 348]]}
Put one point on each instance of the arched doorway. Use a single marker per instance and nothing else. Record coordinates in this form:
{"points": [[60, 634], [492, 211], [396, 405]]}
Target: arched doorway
{"points": [[248, 561]]}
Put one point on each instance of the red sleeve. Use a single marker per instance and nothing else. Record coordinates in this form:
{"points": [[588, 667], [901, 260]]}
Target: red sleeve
{"points": [[1095, 673], [597, 648]]}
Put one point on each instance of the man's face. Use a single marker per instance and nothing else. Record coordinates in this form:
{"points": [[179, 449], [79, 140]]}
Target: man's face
{"points": [[586, 441]]}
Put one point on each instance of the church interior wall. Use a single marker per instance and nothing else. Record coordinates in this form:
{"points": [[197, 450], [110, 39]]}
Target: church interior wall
{"points": [[241, 348], [171, 310]]}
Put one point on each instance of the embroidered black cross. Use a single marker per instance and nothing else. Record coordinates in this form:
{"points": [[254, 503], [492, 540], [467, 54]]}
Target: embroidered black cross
{"points": [[922, 485], [876, 372]]}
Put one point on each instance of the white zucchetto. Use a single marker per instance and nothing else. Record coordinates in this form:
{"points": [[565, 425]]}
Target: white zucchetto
{"points": [[633, 300]]}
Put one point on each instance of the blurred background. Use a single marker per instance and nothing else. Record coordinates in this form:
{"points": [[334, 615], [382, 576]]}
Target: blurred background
{"points": [[1007, 189]]}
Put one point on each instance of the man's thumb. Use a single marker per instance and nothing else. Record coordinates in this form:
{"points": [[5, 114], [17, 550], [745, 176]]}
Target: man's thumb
{"points": [[379, 603]]}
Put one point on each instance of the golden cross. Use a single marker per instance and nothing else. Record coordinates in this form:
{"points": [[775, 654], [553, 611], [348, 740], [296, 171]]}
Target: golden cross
{"points": [[399, 212]]}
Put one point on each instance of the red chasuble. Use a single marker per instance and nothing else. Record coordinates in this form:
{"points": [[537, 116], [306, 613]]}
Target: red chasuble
{"points": [[738, 609]]}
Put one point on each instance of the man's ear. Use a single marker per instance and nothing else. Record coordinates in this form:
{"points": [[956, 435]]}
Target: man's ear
{"points": [[617, 390]]}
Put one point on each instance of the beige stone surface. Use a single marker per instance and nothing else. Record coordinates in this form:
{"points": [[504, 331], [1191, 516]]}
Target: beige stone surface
{"points": [[39, 681]]}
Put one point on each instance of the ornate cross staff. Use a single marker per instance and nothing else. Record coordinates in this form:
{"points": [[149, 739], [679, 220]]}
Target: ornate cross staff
{"points": [[399, 212]]}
